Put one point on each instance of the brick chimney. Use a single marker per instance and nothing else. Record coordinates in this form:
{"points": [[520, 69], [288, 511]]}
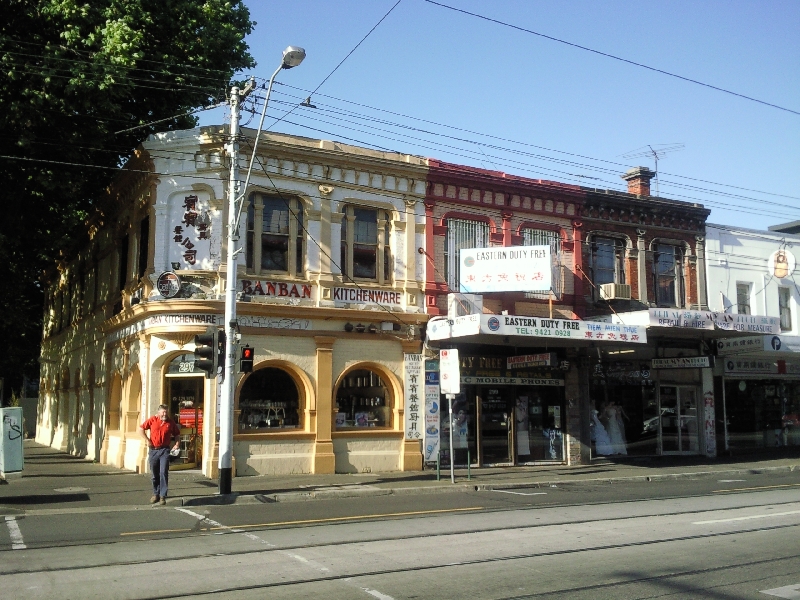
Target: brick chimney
{"points": [[638, 180]]}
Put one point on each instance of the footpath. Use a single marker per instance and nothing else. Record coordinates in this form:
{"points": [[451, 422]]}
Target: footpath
{"points": [[58, 482]]}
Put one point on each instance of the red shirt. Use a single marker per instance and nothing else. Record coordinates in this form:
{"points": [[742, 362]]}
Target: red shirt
{"points": [[161, 431]]}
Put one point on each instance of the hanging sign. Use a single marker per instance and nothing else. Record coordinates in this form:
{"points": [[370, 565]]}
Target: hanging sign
{"points": [[547, 359], [449, 372], [431, 443], [413, 387], [683, 362], [517, 269]]}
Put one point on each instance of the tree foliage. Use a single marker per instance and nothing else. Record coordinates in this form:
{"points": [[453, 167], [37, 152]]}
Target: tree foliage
{"points": [[76, 77]]}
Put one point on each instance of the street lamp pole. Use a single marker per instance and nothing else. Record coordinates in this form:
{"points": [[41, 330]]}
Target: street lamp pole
{"points": [[292, 57]]}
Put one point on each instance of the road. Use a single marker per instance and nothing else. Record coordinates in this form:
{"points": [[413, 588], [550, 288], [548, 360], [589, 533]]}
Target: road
{"points": [[703, 538]]}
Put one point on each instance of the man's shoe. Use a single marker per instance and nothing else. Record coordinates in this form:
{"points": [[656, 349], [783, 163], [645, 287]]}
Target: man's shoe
{"points": [[163, 501], [153, 499]]}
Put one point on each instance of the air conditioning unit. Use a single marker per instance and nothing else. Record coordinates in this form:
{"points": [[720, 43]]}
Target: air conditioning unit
{"points": [[615, 291], [459, 305]]}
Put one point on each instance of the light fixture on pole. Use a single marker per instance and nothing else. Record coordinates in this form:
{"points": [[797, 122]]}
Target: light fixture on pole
{"points": [[292, 57]]}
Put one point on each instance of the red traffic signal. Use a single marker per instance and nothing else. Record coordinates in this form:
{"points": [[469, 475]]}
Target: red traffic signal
{"points": [[246, 364]]}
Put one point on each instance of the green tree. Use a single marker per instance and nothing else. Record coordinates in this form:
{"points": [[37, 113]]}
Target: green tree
{"points": [[75, 78]]}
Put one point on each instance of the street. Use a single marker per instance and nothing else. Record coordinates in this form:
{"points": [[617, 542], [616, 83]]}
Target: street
{"points": [[692, 538]]}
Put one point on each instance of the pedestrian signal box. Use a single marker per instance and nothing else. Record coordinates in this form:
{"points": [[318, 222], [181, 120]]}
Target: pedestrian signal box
{"points": [[246, 365]]}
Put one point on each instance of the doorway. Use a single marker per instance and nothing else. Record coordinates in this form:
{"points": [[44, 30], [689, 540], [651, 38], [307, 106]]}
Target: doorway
{"points": [[495, 415], [678, 410], [184, 394]]}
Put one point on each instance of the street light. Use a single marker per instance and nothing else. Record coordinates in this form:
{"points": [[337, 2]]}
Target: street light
{"points": [[292, 57]]}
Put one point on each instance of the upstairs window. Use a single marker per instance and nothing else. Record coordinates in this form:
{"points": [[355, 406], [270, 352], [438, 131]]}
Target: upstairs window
{"points": [[607, 261], [461, 233], [668, 274], [274, 235], [365, 250], [784, 305], [743, 298], [541, 237]]}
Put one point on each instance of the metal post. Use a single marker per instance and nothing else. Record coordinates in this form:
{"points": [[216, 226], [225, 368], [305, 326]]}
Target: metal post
{"points": [[450, 398], [226, 396], [469, 466], [438, 465]]}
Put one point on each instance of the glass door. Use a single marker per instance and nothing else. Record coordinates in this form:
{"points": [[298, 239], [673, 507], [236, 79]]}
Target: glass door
{"points": [[186, 406], [496, 425], [678, 409]]}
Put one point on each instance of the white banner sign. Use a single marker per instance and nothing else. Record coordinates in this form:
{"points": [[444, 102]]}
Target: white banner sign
{"points": [[449, 372], [747, 323], [547, 359], [688, 362], [562, 329], [414, 382], [507, 269], [759, 343], [682, 319], [696, 319]]}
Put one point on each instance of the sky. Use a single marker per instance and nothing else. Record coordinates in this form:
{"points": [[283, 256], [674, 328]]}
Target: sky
{"points": [[438, 83]]}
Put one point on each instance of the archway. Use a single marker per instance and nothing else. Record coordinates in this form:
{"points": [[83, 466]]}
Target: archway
{"points": [[366, 397], [133, 405]]}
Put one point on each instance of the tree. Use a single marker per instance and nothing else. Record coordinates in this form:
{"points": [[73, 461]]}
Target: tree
{"points": [[82, 85]]}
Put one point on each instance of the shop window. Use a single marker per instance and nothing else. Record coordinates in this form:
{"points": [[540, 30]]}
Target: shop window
{"points": [[668, 274], [363, 401], [607, 261], [365, 249], [461, 233], [274, 235], [269, 401], [784, 305], [762, 413], [743, 298]]}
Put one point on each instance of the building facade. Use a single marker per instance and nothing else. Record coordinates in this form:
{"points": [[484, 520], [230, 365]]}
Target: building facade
{"points": [[752, 275], [330, 297]]}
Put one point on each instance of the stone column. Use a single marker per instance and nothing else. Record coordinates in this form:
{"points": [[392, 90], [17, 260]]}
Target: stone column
{"points": [[642, 267], [576, 440], [700, 252], [324, 458]]}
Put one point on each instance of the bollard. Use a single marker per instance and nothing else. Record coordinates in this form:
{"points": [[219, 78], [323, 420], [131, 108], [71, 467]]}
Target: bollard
{"points": [[438, 465], [469, 466]]}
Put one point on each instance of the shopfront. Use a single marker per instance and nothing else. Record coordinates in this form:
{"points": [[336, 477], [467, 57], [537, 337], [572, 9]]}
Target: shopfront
{"points": [[184, 394]]}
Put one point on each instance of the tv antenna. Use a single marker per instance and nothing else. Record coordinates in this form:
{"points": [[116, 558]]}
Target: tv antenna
{"points": [[655, 152]]}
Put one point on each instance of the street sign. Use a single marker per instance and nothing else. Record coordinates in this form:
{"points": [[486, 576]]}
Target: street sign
{"points": [[449, 373]]}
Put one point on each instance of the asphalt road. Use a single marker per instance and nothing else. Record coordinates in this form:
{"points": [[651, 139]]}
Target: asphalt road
{"points": [[703, 538]]}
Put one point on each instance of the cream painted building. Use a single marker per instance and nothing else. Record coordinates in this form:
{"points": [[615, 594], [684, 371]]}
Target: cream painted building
{"points": [[330, 298]]}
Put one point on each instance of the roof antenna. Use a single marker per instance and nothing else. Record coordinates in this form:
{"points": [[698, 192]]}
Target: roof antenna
{"points": [[656, 152]]}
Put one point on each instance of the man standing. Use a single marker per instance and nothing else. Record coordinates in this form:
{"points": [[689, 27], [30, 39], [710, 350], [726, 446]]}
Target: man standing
{"points": [[162, 431]]}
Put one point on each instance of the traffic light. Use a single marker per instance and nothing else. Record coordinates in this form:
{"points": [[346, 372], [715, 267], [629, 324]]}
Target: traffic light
{"points": [[209, 351], [246, 365]]}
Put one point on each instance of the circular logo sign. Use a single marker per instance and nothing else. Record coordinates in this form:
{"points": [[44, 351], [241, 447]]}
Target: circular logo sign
{"points": [[168, 284], [781, 263], [494, 323], [469, 261], [776, 343]]}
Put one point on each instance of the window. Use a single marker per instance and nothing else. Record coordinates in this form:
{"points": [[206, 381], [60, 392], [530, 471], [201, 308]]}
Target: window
{"points": [[275, 235], [784, 299], [365, 250], [607, 263], [668, 273], [269, 400], [743, 298], [545, 237], [144, 243], [363, 400], [461, 233]]}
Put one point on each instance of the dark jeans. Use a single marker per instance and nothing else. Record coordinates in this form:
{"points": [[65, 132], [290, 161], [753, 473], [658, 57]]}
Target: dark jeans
{"points": [[159, 470]]}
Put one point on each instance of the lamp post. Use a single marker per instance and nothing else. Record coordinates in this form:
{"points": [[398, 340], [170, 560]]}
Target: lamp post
{"points": [[292, 57]]}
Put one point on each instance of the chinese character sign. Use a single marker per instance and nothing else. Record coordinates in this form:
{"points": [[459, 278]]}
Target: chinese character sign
{"points": [[414, 388], [517, 269], [193, 233]]}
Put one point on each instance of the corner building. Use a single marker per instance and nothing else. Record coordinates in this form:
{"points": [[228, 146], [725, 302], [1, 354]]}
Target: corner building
{"points": [[329, 288]]}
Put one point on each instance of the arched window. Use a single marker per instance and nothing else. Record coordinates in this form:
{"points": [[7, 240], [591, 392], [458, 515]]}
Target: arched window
{"points": [[362, 401], [269, 401], [274, 235], [366, 252]]}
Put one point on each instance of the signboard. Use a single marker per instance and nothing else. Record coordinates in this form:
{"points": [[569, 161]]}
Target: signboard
{"points": [[754, 366], [413, 387], [343, 295], [781, 263], [516, 269], [547, 359], [449, 372], [443, 329], [688, 362], [562, 329], [168, 284], [431, 443], [706, 320], [189, 417], [538, 381], [759, 343], [279, 289], [747, 323], [681, 319], [192, 226]]}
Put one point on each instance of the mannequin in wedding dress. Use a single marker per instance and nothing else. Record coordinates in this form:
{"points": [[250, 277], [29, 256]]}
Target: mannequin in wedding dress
{"points": [[613, 417], [602, 443]]}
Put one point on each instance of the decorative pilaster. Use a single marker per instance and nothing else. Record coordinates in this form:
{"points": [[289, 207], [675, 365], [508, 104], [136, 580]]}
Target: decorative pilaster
{"points": [[642, 266], [700, 252], [324, 457]]}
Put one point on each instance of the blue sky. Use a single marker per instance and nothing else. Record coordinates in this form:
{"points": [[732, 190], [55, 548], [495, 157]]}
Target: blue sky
{"points": [[563, 114]]}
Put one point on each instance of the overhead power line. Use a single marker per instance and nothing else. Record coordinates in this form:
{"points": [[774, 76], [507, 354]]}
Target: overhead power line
{"points": [[607, 55]]}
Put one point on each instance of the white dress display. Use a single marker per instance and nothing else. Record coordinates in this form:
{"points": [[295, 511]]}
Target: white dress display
{"points": [[602, 443], [618, 444]]}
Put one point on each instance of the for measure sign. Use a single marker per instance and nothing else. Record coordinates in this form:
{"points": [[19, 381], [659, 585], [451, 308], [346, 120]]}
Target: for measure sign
{"points": [[517, 269]]}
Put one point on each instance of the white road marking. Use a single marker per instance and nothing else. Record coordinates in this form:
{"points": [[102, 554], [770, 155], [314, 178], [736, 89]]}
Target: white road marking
{"points": [[521, 493], [730, 480], [17, 543], [246, 534], [780, 514], [787, 591], [377, 594]]}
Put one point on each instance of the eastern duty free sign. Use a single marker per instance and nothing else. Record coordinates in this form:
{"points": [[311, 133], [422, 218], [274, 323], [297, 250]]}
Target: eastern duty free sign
{"points": [[515, 269]]}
